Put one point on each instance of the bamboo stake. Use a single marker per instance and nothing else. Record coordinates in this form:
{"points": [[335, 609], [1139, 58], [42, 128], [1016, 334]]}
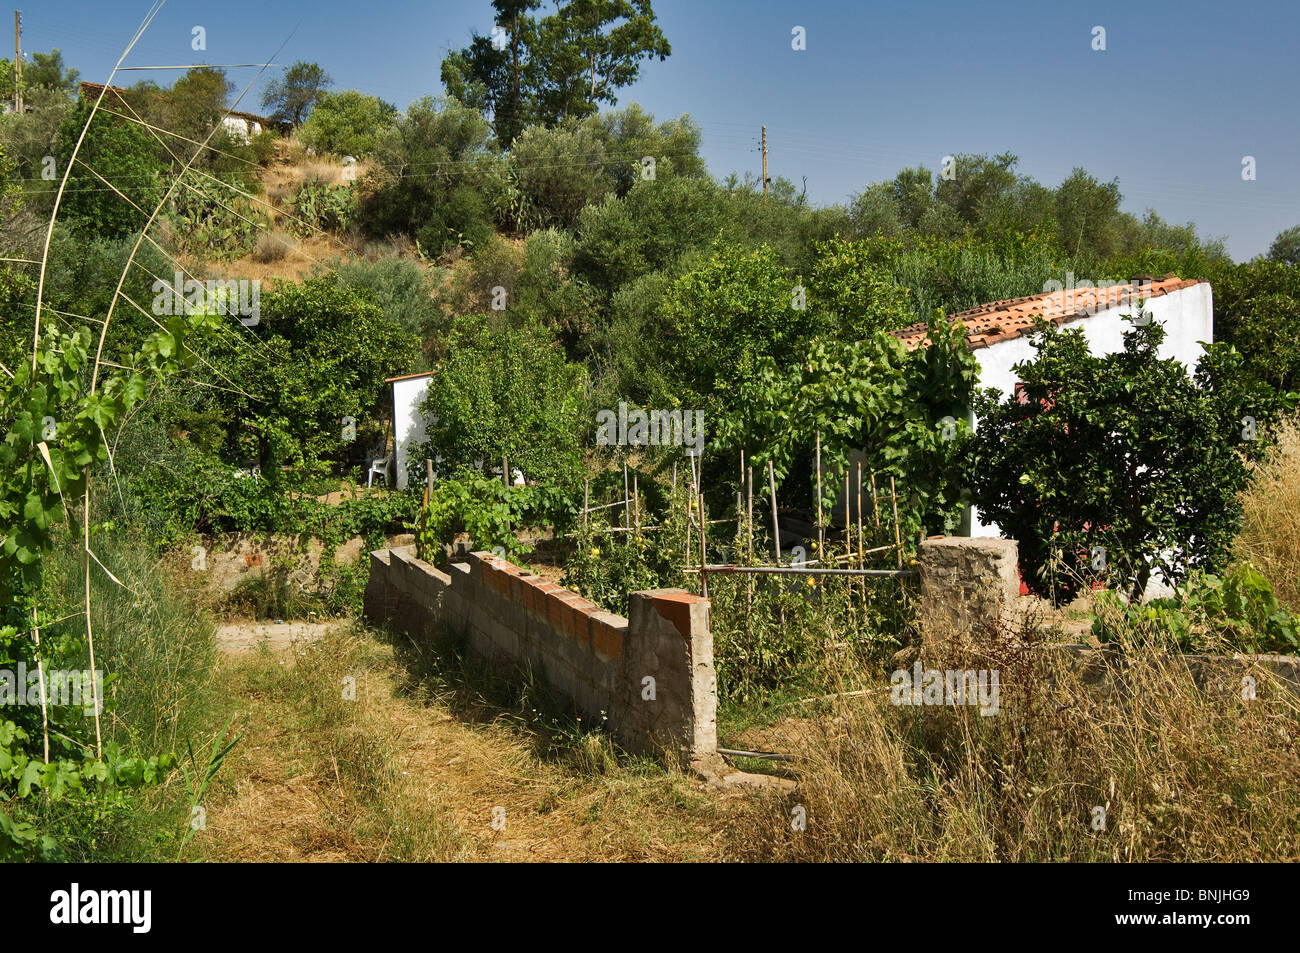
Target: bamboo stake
{"points": [[776, 527], [40, 674], [636, 504], [586, 500], [626, 520], [898, 540], [875, 500], [740, 501], [861, 542], [749, 543], [704, 530], [821, 535]]}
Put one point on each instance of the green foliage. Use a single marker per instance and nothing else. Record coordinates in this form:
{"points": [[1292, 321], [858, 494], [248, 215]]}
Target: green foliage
{"points": [[556, 68], [490, 512], [906, 410], [505, 390], [606, 566], [1257, 310], [1286, 247], [347, 123], [1123, 455], [1236, 611], [435, 177], [54, 435], [321, 352], [402, 289], [125, 155]]}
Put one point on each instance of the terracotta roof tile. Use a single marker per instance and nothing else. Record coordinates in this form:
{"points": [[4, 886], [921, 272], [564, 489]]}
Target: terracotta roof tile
{"points": [[1003, 320]]}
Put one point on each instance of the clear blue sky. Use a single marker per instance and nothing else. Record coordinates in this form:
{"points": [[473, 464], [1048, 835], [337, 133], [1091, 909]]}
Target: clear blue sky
{"points": [[1184, 90]]}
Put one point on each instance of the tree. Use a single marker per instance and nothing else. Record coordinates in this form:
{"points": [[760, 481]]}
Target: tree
{"points": [[197, 102], [435, 176], [1113, 467], [124, 154], [593, 48], [347, 123], [1286, 247], [293, 95], [561, 67], [45, 71], [506, 389]]}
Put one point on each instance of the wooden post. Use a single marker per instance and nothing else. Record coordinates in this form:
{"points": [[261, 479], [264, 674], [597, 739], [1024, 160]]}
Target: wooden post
{"points": [[749, 542], [749, 510], [875, 501], [898, 540], [704, 529], [428, 480], [821, 535], [505, 470], [740, 502], [776, 527]]}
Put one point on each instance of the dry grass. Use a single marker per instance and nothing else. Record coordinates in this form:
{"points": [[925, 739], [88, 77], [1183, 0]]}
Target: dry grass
{"points": [[402, 774], [1184, 773], [1270, 536]]}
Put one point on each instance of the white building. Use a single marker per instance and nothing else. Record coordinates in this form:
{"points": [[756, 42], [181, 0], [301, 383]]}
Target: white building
{"points": [[1000, 332], [408, 423]]}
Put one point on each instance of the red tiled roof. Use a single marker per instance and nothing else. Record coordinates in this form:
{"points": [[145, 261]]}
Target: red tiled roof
{"points": [[1004, 320]]}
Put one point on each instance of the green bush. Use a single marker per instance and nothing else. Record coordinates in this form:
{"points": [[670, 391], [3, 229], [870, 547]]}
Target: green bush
{"points": [[505, 390], [346, 123], [1207, 613]]}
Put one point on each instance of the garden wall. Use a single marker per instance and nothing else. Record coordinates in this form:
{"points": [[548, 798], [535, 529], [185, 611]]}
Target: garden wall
{"points": [[650, 677]]}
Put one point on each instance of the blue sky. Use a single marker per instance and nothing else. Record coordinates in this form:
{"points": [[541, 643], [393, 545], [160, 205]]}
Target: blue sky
{"points": [[1183, 91]]}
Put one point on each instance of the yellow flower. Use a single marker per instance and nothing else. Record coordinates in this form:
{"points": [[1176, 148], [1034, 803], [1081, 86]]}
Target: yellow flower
{"points": [[595, 551], [812, 581]]}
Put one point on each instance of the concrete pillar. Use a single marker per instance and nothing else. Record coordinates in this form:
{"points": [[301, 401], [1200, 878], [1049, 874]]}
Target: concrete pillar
{"points": [[968, 583], [669, 641]]}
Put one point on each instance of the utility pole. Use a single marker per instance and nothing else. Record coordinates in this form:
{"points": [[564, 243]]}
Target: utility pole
{"points": [[18, 61], [765, 160]]}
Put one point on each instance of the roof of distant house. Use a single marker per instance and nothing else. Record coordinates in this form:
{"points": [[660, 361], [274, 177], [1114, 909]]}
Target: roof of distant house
{"points": [[1003, 320]]}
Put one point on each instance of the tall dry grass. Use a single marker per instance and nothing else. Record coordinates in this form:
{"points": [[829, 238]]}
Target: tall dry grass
{"points": [[1184, 772], [1270, 535]]}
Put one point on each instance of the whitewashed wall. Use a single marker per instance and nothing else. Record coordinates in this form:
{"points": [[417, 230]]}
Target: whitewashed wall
{"points": [[408, 424]]}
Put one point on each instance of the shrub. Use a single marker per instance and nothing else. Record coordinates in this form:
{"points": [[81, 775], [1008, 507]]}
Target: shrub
{"points": [[1119, 465], [271, 247], [505, 390], [346, 123]]}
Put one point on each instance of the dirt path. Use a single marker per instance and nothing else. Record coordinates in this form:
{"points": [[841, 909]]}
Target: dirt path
{"points": [[395, 775]]}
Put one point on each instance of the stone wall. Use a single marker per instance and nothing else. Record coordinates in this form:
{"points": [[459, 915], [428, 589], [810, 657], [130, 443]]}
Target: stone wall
{"points": [[650, 678]]}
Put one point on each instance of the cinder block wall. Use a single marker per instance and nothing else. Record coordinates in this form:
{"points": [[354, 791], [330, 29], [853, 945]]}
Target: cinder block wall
{"points": [[651, 677]]}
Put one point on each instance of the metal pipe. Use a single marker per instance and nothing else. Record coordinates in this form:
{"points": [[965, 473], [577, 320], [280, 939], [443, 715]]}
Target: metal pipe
{"points": [[792, 571]]}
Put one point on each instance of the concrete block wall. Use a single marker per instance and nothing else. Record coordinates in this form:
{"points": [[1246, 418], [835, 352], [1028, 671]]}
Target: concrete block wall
{"points": [[650, 678]]}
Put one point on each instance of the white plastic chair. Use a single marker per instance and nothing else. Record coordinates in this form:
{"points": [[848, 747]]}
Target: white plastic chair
{"points": [[378, 467]]}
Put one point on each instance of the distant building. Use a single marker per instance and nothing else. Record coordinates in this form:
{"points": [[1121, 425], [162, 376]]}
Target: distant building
{"points": [[1001, 332], [241, 126], [408, 423]]}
